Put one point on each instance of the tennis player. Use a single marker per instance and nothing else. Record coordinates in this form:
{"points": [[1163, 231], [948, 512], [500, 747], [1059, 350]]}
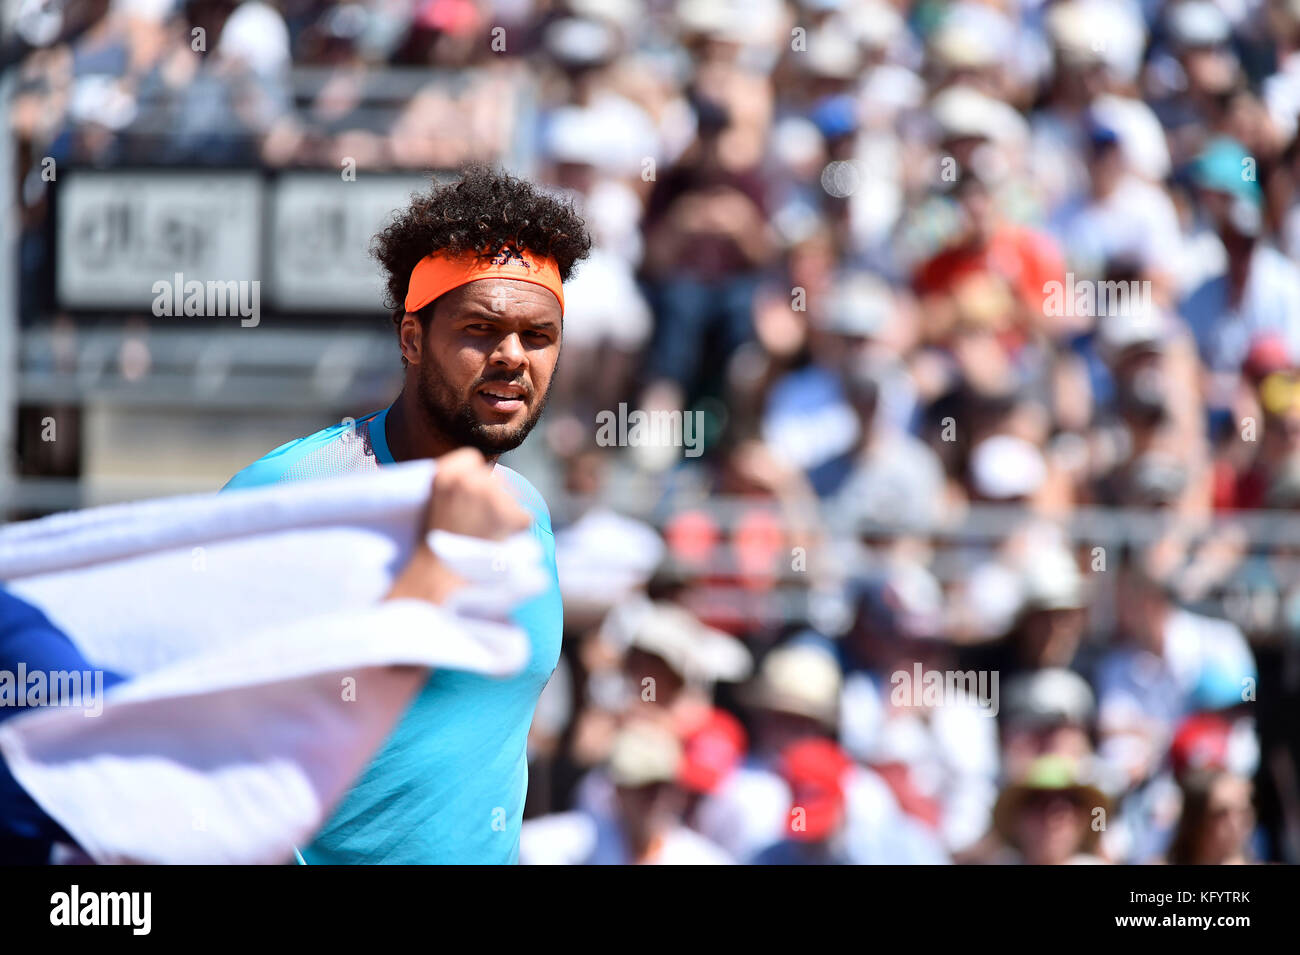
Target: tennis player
{"points": [[474, 276]]}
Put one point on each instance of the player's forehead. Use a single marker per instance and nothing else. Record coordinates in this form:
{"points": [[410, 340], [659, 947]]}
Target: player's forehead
{"points": [[504, 299]]}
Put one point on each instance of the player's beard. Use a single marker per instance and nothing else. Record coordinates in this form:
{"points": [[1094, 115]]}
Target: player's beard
{"points": [[453, 416]]}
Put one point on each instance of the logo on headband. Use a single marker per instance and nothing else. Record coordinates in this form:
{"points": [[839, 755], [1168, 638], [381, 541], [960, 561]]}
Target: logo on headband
{"points": [[509, 255]]}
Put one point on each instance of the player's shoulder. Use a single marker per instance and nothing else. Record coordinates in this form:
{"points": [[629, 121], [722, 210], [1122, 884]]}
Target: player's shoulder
{"points": [[272, 466], [529, 496]]}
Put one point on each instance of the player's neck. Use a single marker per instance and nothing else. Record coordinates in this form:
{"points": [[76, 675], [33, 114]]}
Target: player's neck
{"points": [[411, 437]]}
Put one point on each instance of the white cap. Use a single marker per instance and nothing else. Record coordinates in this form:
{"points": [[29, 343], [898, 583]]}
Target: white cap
{"points": [[101, 99], [859, 304], [737, 21], [832, 52], [971, 36], [644, 753], [1004, 467], [1141, 137], [1049, 696], [797, 141], [1052, 580], [626, 13], [256, 34], [695, 651], [1110, 32], [614, 136], [962, 111], [1198, 23], [155, 10], [580, 40], [1124, 328], [875, 23], [801, 678], [573, 135]]}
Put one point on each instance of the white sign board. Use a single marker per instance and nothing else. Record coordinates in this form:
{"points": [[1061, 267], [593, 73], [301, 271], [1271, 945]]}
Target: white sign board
{"points": [[321, 229], [120, 232]]}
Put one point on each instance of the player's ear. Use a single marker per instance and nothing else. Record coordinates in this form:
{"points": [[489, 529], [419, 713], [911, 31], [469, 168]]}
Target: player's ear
{"points": [[410, 336]]}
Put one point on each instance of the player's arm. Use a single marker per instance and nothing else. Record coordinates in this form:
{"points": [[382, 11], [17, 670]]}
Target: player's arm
{"points": [[469, 499]]}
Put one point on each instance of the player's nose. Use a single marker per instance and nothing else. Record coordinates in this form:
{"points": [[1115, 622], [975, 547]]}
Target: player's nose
{"points": [[510, 352]]}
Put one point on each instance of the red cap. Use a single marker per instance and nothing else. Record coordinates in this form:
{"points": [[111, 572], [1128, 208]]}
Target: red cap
{"points": [[1268, 353], [815, 770], [1200, 742], [711, 750]]}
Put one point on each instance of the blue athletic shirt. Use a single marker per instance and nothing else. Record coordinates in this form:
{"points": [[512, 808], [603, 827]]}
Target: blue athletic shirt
{"points": [[449, 784]]}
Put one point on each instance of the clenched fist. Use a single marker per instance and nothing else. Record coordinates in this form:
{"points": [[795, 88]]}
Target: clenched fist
{"points": [[468, 498]]}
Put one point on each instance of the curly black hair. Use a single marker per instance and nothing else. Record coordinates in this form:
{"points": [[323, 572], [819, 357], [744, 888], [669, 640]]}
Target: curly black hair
{"points": [[480, 212]]}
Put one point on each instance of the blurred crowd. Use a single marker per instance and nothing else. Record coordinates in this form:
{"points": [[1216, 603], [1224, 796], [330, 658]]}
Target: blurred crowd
{"points": [[911, 265]]}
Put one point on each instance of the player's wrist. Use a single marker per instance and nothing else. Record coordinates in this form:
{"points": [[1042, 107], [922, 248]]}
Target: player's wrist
{"points": [[425, 577]]}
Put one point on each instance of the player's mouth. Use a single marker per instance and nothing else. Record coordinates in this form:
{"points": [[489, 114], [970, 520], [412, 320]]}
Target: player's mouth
{"points": [[503, 398]]}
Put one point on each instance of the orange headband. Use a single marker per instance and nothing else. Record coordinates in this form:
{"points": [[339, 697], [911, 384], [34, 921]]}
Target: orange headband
{"points": [[438, 274]]}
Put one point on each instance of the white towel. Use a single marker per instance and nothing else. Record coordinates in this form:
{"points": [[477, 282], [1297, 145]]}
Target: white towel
{"points": [[266, 668]]}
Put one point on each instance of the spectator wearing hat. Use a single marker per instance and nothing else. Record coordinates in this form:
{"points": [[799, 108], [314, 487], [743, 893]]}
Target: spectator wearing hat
{"points": [[1257, 291], [1211, 742], [847, 810], [794, 697], [1085, 71], [1242, 471], [656, 661], [1198, 41], [643, 826], [1050, 628], [1048, 712], [672, 660], [1120, 216], [1148, 446], [1262, 472], [1052, 816], [816, 771], [1006, 469], [713, 746]]}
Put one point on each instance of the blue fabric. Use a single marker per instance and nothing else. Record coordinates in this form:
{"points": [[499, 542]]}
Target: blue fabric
{"points": [[687, 310], [449, 784], [272, 466], [27, 637], [1270, 305]]}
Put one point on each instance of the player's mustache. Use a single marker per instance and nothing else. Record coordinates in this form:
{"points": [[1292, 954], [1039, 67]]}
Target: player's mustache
{"points": [[515, 381]]}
